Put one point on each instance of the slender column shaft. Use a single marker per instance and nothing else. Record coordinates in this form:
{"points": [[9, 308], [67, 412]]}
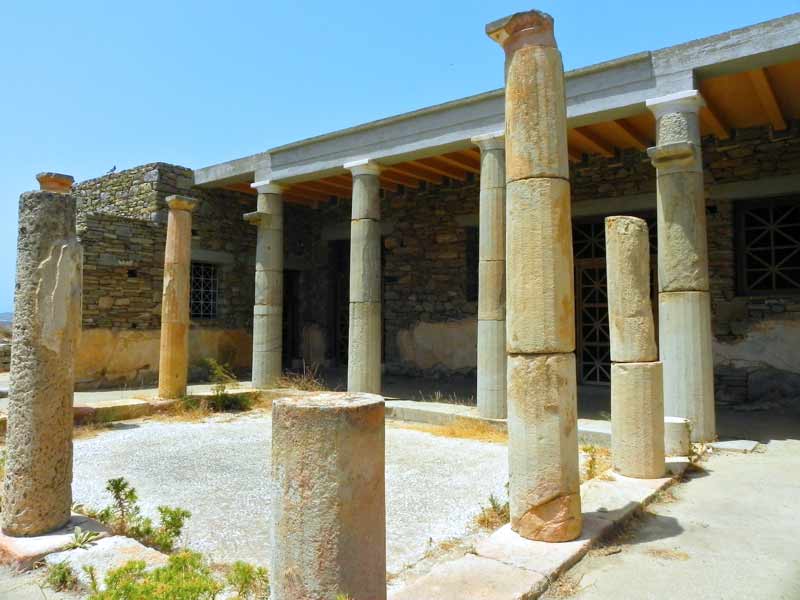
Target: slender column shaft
{"points": [[540, 332], [637, 396], [492, 278], [173, 368], [364, 352], [47, 317], [328, 498], [684, 300], [268, 305]]}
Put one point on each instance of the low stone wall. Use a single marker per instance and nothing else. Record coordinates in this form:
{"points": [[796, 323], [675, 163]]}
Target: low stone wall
{"points": [[5, 356], [129, 358]]}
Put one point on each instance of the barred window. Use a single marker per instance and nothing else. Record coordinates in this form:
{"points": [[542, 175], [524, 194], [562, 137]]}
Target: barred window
{"points": [[204, 294], [472, 264], [768, 246]]}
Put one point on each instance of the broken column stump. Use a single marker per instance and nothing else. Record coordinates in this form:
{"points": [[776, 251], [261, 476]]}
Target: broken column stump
{"points": [[544, 476], [328, 497], [47, 318]]}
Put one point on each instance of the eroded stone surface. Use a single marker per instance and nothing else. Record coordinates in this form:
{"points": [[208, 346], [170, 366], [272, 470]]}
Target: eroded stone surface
{"points": [[23, 552]]}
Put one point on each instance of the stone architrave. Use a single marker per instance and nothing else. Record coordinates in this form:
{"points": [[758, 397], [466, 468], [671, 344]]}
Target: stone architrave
{"points": [[684, 300], [37, 492], [173, 368], [268, 305], [544, 478], [364, 351], [492, 278], [328, 497], [637, 397]]}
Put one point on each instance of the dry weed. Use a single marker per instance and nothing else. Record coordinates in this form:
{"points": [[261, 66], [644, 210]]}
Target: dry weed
{"points": [[565, 586], [667, 554], [598, 462], [495, 515], [308, 380], [470, 429]]}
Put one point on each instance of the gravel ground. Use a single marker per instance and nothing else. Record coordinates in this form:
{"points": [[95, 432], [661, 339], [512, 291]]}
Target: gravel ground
{"points": [[219, 470]]}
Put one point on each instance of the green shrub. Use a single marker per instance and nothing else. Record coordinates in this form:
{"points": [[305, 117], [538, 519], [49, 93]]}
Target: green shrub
{"points": [[249, 582], [60, 577]]}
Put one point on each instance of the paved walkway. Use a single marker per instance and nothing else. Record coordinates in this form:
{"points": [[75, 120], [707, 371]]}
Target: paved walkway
{"points": [[732, 532]]}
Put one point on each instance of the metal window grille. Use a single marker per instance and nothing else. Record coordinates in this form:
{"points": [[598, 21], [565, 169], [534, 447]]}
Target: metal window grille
{"points": [[768, 246], [204, 294]]}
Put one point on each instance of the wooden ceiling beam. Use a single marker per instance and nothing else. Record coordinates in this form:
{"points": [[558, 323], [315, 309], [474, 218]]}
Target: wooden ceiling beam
{"points": [[442, 169], [461, 162], [391, 176], [242, 188], [335, 183], [574, 155], [633, 137], [322, 188], [767, 98], [591, 142], [300, 190], [714, 122], [417, 172]]}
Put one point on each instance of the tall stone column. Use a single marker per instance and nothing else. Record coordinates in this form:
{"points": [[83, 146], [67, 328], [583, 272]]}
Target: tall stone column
{"points": [[492, 278], [364, 352], [268, 306], [637, 397], [173, 368], [328, 498], [37, 492], [683, 296], [540, 331]]}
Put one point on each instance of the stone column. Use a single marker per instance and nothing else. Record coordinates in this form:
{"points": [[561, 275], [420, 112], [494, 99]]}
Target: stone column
{"points": [[492, 278], [637, 401], [683, 296], [540, 306], [173, 367], [328, 498], [268, 306], [364, 352], [37, 492]]}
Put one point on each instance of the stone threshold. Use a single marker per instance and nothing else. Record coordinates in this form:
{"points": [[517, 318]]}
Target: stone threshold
{"points": [[505, 566], [593, 432]]}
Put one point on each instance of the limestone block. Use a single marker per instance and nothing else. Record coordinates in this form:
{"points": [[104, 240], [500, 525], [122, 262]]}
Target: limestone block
{"points": [[365, 261], [492, 224], [540, 301], [637, 419], [685, 350], [267, 329], [542, 427], [267, 365], [536, 131], [366, 197], [328, 497], [493, 167], [492, 290], [672, 127], [47, 318], [492, 369], [677, 436], [682, 245], [272, 204], [269, 288], [630, 313], [364, 350], [269, 249]]}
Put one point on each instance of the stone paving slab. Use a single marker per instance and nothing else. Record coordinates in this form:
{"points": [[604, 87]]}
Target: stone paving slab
{"points": [[22, 553], [741, 446], [106, 555], [474, 578]]}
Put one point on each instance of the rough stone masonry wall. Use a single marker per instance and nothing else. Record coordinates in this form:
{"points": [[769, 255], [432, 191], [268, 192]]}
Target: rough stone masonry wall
{"points": [[5, 356]]}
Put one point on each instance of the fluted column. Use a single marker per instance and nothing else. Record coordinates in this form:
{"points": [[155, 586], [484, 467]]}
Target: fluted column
{"points": [[173, 369], [364, 352], [684, 300], [540, 305], [268, 305], [492, 278]]}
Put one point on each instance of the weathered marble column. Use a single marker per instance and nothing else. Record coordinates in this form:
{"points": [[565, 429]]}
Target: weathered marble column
{"points": [[268, 306], [364, 352], [492, 278], [328, 498], [540, 304], [637, 396], [173, 367], [37, 492], [684, 301]]}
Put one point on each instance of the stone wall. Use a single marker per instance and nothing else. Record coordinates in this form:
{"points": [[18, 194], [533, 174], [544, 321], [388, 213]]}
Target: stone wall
{"points": [[5, 356]]}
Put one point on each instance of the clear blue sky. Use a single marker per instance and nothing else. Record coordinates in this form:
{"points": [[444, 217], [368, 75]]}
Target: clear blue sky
{"points": [[88, 85]]}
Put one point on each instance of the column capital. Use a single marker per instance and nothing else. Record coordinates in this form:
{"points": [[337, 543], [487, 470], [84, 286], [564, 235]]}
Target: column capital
{"points": [[490, 141], [680, 102], [186, 203], [258, 217], [530, 28], [267, 187], [55, 182], [363, 166]]}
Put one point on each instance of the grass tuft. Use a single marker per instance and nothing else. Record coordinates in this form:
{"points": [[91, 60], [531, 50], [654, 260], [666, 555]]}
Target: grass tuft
{"points": [[308, 380], [495, 515], [470, 429]]}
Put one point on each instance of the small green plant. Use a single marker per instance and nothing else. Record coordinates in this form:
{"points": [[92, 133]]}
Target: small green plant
{"points": [[495, 515], [82, 539], [185, 577], [61, 577], [249, 581], [92, 573]]}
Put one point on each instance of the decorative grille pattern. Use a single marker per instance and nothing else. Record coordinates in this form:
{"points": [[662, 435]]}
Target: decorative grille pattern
{"points": [[768, 236], [204, 291]]}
